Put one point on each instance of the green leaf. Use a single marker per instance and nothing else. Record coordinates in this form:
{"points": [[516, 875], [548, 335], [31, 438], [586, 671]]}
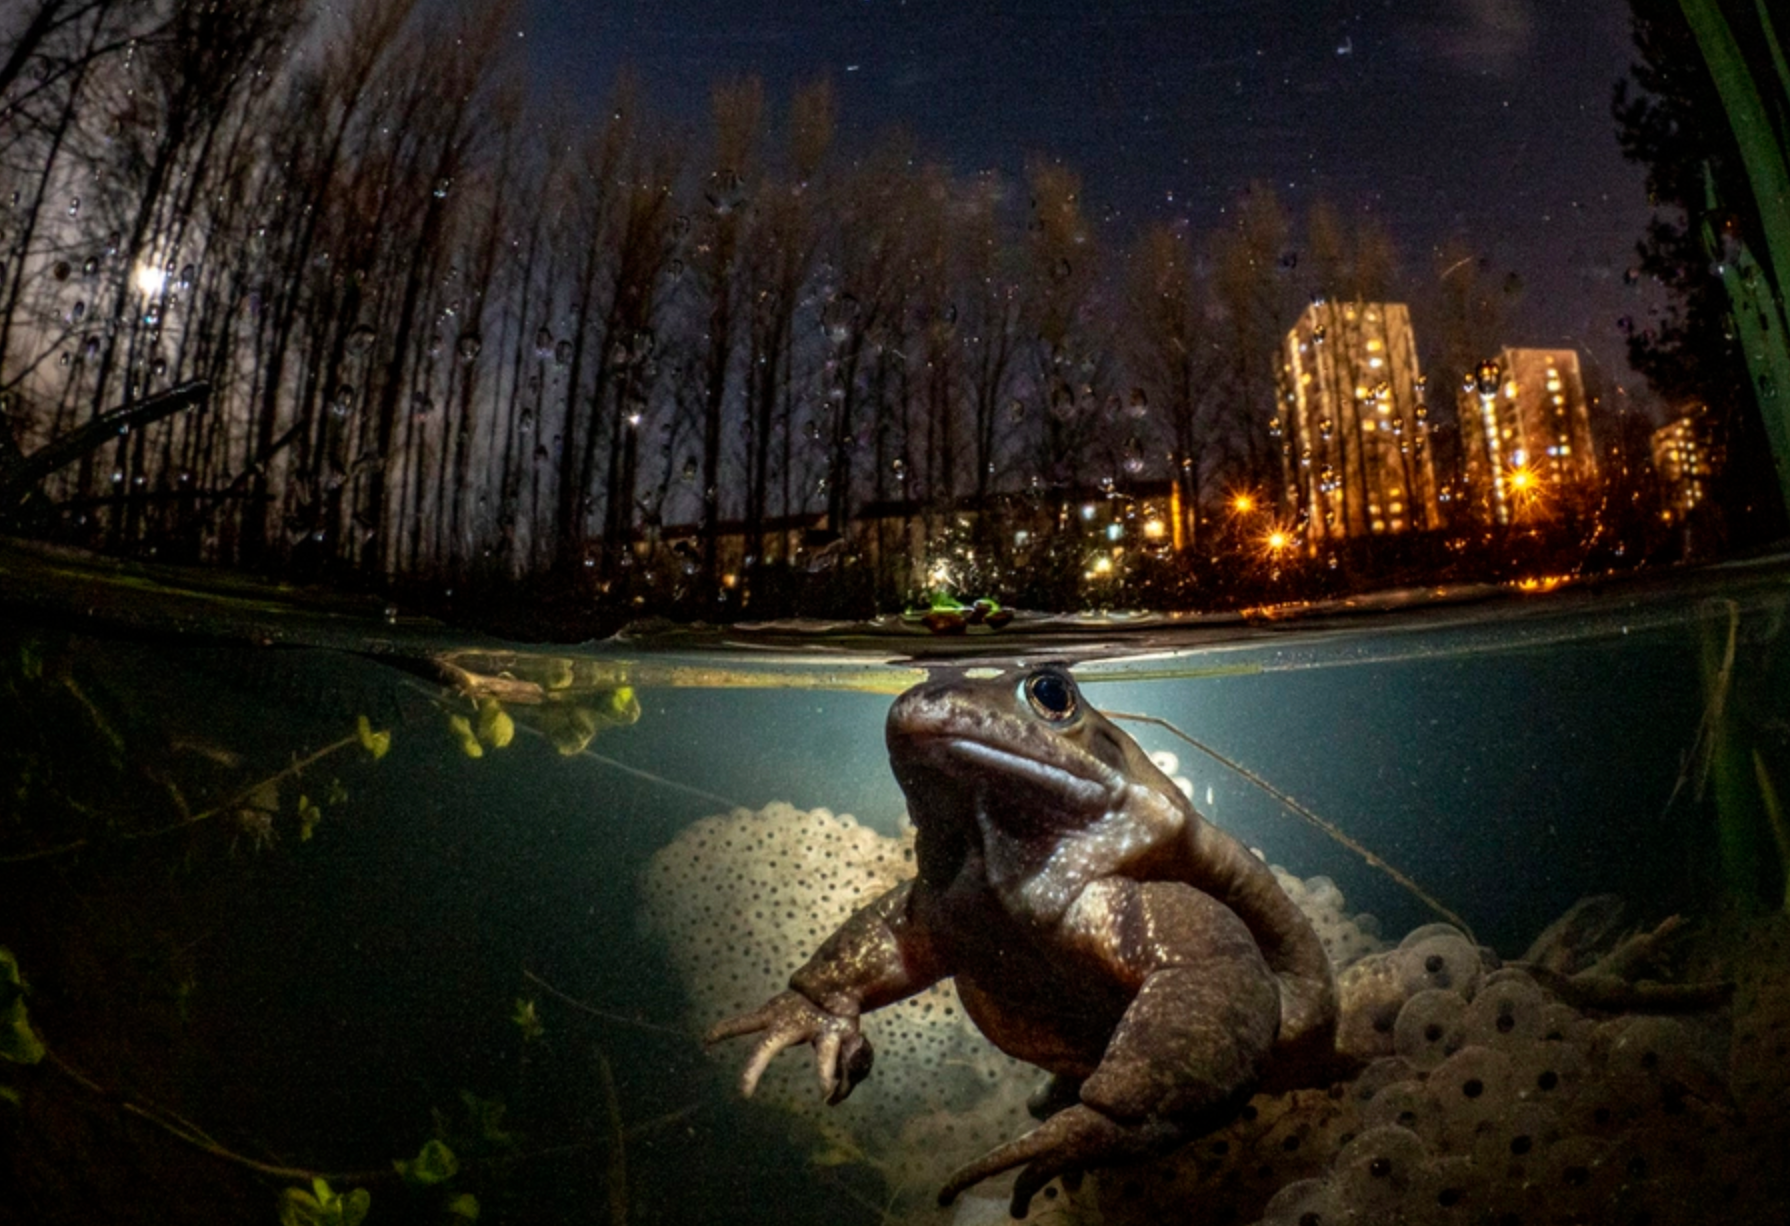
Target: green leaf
{"points": [[299, 1208], [353, 1207], [321, 1206], [18, 1042], [9, 1095], [527, 1020], [465, 1205], [434, 1163], [486, 1118]]}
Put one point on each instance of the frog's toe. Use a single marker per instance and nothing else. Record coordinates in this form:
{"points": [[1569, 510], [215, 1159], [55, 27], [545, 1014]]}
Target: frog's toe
{"points": [[1067, 1144]]}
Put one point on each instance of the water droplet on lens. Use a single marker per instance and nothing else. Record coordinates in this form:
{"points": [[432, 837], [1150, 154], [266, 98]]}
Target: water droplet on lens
{"points": [[468, 346]]}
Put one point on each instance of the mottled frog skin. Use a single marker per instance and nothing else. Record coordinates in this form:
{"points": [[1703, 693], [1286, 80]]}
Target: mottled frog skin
{"points": [[1094, 923]]}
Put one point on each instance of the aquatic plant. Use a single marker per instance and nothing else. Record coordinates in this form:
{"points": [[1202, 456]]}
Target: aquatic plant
{"points": [[19, 1044], [321, 1205], [1756, 110]]}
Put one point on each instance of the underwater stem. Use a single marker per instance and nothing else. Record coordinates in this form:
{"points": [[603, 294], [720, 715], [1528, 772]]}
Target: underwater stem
{"points": [[605, 1014], [1417, 891], [1780, 826], [618, 1152], [297, 768], [182, 1130]]}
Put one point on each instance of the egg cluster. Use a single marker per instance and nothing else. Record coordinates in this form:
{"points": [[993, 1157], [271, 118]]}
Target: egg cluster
{"points": [[741, 900], [1484, 1100], [1480, 1097]]}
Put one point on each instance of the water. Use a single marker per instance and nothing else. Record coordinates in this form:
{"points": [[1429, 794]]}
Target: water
{"points": [[515, 954]]}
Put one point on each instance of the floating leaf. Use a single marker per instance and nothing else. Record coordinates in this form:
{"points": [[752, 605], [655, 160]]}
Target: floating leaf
{"points": [[461, 727], [496, 728], [569, 728], [465, 1205], [376, 743], [622, 706], [434, 1163]]}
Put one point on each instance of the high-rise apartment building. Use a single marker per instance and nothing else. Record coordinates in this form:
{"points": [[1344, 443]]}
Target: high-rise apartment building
{"points": [[1526, 436], [1353, 425], [1685, 457]]}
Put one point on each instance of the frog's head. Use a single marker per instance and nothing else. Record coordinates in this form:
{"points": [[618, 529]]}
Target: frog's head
{"points": [[1024, 766]]}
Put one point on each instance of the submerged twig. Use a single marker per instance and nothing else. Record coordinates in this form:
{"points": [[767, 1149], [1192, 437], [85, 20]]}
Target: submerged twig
{"points": [[618, 1152], [191, 1134], [605, 1014], [236, 800], [1302, 811]]}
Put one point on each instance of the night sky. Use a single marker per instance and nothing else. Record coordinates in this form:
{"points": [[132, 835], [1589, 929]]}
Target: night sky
{"points": [[1484, 121]]}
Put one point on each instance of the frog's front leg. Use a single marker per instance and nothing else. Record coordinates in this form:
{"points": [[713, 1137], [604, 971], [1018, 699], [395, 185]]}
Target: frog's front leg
{"points": [[1185, 1056], [880, 955]]}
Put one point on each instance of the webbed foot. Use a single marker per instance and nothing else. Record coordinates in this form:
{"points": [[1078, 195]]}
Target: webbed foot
{"points": [[842, 1055], [1067, 1144]]}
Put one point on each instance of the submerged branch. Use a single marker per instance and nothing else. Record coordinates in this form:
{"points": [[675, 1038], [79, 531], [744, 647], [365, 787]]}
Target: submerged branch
{"points": [[235, 801], [605, 1014], [1417, 891], [183, 1130]]}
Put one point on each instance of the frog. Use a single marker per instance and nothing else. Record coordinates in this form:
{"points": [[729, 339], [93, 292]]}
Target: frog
{"points": [[1094, 924]]}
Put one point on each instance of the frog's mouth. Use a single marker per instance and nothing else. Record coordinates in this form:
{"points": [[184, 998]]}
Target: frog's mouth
{"points": [[1069, 788]]}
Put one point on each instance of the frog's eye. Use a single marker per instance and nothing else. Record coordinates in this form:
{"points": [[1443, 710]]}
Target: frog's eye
{"points": [[1052, 695]]}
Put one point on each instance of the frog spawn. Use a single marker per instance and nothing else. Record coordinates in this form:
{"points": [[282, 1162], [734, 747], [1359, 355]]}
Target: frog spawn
{"points": [[1488, 1100], [738, 901], [1491, 1102]]}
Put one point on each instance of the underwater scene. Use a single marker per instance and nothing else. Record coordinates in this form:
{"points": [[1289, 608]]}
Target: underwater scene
{"points": [[1467, 911]]}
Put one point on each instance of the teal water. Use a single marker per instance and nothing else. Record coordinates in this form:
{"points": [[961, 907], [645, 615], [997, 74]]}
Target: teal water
{"points": [[237, 988]]}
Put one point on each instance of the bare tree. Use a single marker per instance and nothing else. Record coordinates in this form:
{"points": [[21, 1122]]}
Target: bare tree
{"points": [[780, 254], [737, 113], [1175, 359]]}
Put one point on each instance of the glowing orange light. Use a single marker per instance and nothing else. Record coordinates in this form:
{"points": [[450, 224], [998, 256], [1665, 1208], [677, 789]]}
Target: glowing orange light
{"points": [[1278, 540], [1521, 478], [1243, 504]]}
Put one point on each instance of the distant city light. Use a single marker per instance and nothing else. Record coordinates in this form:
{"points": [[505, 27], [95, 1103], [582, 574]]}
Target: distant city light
{"points": [[1243, 504], [150, 279]]}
